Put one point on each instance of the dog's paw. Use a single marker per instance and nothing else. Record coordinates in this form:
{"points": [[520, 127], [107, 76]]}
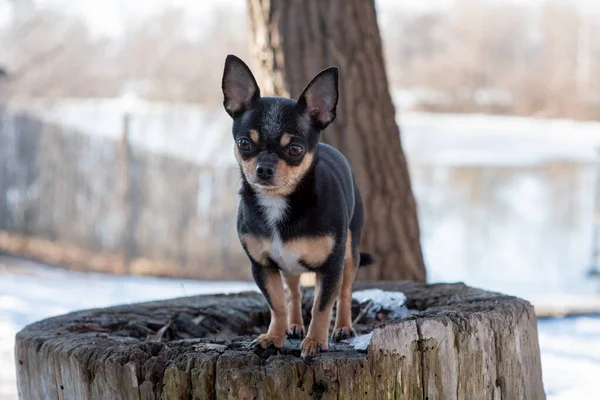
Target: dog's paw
{"points": [[295, 331], [343, 333], [267, 339], [311, 346]]}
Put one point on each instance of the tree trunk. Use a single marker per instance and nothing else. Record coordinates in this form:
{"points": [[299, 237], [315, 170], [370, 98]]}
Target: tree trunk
{"points": [[456, 343], [292, 40]]}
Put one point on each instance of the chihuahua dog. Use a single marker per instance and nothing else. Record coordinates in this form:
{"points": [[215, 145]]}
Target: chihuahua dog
{"points": [[300, 209]]}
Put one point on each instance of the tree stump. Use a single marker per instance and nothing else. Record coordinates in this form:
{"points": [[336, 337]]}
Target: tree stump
{"points": [[456, 342]]}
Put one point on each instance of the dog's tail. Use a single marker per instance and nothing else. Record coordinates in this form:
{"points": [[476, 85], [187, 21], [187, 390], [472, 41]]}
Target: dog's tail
{"points": [[366, 259]]}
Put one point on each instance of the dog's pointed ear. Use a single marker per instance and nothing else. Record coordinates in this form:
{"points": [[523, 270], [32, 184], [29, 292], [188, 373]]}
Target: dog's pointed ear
{"points": [[319, 99], [239, 86]]}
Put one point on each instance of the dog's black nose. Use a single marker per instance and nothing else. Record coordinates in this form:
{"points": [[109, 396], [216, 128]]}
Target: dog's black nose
{"points": [[265, 171]]}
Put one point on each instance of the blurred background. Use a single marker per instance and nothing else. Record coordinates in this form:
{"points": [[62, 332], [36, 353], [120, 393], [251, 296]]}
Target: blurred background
{"points": [[116, 158]]}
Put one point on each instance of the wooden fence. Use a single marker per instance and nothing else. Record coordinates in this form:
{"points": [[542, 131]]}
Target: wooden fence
{"points": [[95, 203]]}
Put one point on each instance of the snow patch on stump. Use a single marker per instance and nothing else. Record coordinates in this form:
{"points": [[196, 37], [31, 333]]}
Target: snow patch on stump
{"points": [[391, 303], [360, 342]]}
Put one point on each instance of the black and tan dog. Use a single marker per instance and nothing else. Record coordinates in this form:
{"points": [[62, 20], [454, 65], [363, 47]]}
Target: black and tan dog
{"points": [[300, 207]]}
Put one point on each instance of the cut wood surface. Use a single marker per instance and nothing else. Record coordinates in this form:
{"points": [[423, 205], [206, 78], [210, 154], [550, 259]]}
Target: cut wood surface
{"points": [[457, 343]]}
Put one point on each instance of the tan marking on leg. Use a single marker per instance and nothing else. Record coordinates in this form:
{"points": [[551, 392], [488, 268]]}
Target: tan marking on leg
{"points": [[286, 139], [255, 137], [312, 250], [278, 325], [343, 319], [258, 247], [294, 305], [318, 331], [288, 176]]}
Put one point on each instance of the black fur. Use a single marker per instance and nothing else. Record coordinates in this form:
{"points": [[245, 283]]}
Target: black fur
{"points": [[366, 259], [326, 201]]}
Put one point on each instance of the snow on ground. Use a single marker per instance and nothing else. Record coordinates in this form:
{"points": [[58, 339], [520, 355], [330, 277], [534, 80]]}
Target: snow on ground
{"points": [[486, 140], [30, 292], [570, 357]]}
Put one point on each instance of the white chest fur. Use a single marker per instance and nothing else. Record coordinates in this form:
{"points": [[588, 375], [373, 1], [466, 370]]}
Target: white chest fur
{"points": [[288, 260], [275, 210]]}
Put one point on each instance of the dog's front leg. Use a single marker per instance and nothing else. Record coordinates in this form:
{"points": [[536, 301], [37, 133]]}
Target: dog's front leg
{"points": [[268, 280], [294, 306], [327, 289]]}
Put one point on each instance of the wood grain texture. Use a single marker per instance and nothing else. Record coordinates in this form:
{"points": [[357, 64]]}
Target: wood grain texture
{"points": [[293, 40], [459, 343]]}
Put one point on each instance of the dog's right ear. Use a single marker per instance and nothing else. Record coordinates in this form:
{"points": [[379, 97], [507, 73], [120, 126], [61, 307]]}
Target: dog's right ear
{"points": [[239, 86]]}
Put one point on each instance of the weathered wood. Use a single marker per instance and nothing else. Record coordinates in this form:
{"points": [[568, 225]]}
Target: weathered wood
{"points": [[457, 343]]}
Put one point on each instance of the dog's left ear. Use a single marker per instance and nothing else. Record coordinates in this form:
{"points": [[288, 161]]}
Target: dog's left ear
{"points": [[239, 86], [319, 99]]}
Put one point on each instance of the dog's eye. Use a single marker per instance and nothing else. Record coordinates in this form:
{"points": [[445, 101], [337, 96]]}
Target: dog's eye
{"points": [[244, 144], [294, 150]]}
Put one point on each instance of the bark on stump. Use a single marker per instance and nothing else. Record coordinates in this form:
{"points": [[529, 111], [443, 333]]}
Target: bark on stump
{"points": [[458, 343]]}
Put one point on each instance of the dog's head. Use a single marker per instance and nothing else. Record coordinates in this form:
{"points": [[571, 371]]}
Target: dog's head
{"points": [[276, 138]]}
